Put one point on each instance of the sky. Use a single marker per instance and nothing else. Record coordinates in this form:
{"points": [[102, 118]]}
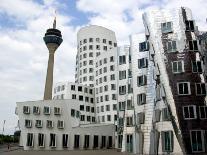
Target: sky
{"points": [[23, 54]]}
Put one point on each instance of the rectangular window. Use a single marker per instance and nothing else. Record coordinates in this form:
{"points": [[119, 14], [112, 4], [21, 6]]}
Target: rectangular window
{"points": [[112, 76], [122, 105], [28, 123], [129, 105], [141, 99], [57, 111], [171, 46], [88, 108], [200, 89], [122, 90], [141, 80], [189, 25], [79, 88], [112, 68], [203, 112], [167, 141], [108, 117], [197, 67], [41, 140], [165, 114], [189, 112], [129, 121], [30, 139], [140, 118], [72, 112], [80, 98], [193, 45], [73, 96], [52, 140], [49, 124], [197, 141], [122, 75], [26, 110], [122, 59], [65, 140], [183, 88], [144, 46], [142, 63], [60, 124], [113, 87], [113, 96], [36, 110], [47, 110], [114, 107], [82, 117], [111, 59], [166, 27], [38, 123], [178, 66]]}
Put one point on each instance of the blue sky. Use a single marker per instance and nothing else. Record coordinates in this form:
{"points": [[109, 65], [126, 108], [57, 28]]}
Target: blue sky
{"points": [[23, 55]]}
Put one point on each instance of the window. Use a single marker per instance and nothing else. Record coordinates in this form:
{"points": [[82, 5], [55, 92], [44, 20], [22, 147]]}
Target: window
{"points": [[28, 123], [86, 99], [90, 40], [110, 42], [197, 141], [144, 46], [104, 40], [47, 110], [112, 76], [113, 96], [122, 90], [57, 111], [129, 121], [60, 124], [73, 96], [49, 124], [72, 87], [84, 48], [79, 88], [80, 98], [112, 68], [178, 66], [111, 59], [82, 118], [90, 54], [184, 88], [165, 114], [115, 44], [105, 48], [167, 141], [189, 25], [84, 41], [90, 91], [106, 97], [114, 107], [41, 140], [105, 60], [106, 88], [77, 114], [121, 121], [142, 63], [97, 40], [113, 87], [171, 46], [88, 118], [102, 108], [141, 99], [30, 139], [166, 27], [65, 140], [88, 108], [108, 117], [105, 78], [189, 112], [122, 75], [196, 67], [200, 89], [92, 109], [52, 140], [103, 118], [129, 105], [122, 59], [26, 110], [38, 123], [72, 112], [105, 69], [193, 45], [107, 107], [36, 110], [122, 105], [203, 112], [157, 113], [140, 118], [97, 47], [141, 80]]}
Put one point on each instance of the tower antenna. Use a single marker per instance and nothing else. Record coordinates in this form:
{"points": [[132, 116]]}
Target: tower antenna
{"points": [[54, 23]]}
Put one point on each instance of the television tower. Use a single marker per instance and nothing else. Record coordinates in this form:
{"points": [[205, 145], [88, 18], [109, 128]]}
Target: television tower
{"points": [[52, 39]]}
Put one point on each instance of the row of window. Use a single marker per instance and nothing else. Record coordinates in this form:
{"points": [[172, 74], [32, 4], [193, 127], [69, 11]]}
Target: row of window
{"points": [[46, 110], [59, 88], [106, 118], [104, 79], [107, 108], [81, 89], [41, 138], [104, 61], [97, 40], [87, 109], [94, 47], [81, 98], [49, 124], [106, 98], [105, 88]]}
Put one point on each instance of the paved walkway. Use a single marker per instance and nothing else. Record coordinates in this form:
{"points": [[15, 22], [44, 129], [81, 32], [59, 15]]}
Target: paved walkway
{"points": [[77, 152]]}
